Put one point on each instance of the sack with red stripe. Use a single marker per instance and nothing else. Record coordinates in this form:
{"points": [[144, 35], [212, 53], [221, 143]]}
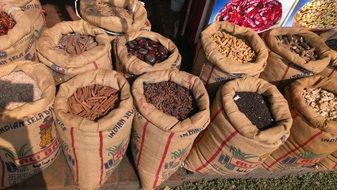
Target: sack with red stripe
{"points": [[115, 23], [312, 136], [284, 66], [331, 69], [93, 149], [214, 68], [160, 142], [28, 140], [132, 66], [66, 66], [19, 43], [34, 11], [329, 163], [232, 143]]}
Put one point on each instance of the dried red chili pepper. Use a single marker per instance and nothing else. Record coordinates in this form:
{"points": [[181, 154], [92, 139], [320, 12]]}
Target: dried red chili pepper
{"points": [[6, 23], [256, 14]]}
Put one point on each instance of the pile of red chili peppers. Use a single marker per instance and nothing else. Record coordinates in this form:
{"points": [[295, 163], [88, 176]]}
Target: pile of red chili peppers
{"points": [[6, 23], [256, 14]]}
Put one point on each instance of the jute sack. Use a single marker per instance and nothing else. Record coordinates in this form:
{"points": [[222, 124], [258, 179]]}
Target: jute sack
{"points": [[34, 11], [329, 163], [18, 44], [28, 141], [283, 66], [159, 142], [94, 149], [231, 143], [89, 13], [331, 69], [132, 66], [312, 137], [213, 68], [67, 65]]}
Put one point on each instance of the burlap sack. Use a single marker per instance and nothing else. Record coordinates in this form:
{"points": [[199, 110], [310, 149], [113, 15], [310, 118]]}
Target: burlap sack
{"points": [[160, 143], [89, 13], [329, 163], [231, 143], [131, 66], [213, 68], [312, 137], [283, 66], [18, 44], [331, 69], [28, 142], [94, 149], [34, 11], [67, 65]]}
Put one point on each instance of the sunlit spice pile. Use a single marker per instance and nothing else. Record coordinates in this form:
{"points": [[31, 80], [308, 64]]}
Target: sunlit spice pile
{"points": [[76, 44], [6, 23], [171, 98], [93, 102]]}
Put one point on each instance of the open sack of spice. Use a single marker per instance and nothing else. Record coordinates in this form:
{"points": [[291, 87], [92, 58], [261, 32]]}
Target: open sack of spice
{"points": [[250, 119], [258, 15], [145, 51], [94, 114], [28, 140], [33, 10], [228, 51], [330, 39], [17, 36], [71, 48], [313, 105], [119, 16], [294, 53], [317, 15], [172, 109], [330, 162]]}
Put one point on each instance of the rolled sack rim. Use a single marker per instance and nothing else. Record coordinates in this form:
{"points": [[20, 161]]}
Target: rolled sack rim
{"points": [[155, 116], [274, 136], [44, 81], [136, 66], [139, 18], [306, 111], [102, 77], [21, 29], [313, 39], [229, 65], [47, 43], [332, 34]]}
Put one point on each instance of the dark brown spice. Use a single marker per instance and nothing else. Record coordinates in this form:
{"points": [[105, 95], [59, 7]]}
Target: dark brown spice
{"points": [[300, 46], [256, 107], [147, 50], [171, 98], [75, 44]]}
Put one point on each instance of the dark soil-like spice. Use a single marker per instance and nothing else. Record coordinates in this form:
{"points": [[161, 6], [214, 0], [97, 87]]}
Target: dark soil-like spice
{"points": [[171, 98], [332, 43], [256, 107]]}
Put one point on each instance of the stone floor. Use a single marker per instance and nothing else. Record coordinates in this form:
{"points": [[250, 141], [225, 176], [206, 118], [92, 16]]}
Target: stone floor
{"points": [[58, 177]]}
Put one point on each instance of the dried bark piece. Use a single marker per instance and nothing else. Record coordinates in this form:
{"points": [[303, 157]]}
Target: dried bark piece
{"points": [[76, 44]]}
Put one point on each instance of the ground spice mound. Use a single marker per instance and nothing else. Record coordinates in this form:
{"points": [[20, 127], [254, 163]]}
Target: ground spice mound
{"points": [[256, 107], [6, 23], [93, 102], [233, 47], [16, 89], [171, 98], [323, 102], [76, 44]]}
